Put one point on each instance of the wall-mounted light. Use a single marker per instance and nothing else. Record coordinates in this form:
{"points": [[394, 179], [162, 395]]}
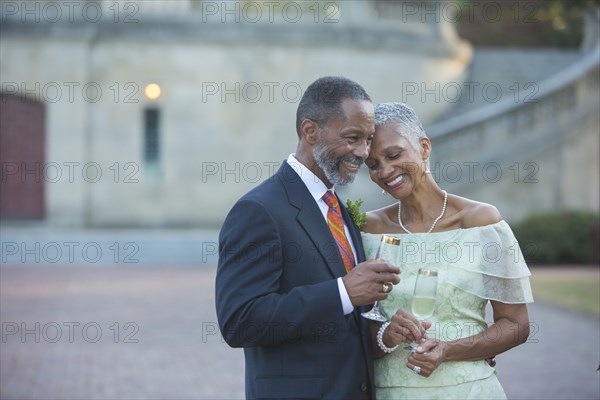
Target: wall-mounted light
{"points": [[152, 91]]}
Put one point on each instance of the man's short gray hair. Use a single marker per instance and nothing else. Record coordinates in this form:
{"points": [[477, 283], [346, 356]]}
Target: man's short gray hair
{"points": [[403, 115]]}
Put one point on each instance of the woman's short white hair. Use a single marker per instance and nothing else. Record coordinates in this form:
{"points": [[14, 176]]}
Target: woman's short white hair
{"points": [[403, 115]]}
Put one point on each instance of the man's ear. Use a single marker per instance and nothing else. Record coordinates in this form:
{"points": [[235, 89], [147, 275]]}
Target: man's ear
{"points": [[425, 144], [310, 131]]}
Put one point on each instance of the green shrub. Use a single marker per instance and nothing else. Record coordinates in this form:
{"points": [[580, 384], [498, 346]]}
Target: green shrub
{"points": [[560, 238]]}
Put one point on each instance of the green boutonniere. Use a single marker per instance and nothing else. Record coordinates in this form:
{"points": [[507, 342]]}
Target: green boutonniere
{"points": [[358, 217]]}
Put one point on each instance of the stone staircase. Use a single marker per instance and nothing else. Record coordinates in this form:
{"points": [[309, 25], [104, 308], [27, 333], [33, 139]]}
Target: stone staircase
{"points": [[517, 72]]}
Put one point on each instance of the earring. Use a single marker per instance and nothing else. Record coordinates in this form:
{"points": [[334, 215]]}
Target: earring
{"points": [[426, 165], [384, 193]]}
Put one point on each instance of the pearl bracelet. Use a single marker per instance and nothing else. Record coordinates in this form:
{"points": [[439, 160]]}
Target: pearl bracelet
{"points": [[380, 343]]}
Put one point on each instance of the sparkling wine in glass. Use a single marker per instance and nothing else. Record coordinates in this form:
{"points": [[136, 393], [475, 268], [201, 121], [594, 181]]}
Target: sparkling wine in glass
{"points": [[424, 295], [374, 313]]}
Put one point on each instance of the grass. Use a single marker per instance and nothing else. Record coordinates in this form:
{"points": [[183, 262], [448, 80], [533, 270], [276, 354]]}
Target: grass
{"points": [[570, 287]]}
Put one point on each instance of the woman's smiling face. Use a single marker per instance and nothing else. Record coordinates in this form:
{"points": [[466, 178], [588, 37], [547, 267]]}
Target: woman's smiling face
{"points": [[394, 164]]}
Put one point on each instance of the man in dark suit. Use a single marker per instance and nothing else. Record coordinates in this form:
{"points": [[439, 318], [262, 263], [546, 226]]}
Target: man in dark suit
{"points": [[292, 278]]}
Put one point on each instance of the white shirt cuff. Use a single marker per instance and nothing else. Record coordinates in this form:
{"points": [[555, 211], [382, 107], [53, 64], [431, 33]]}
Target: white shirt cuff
{"points": [[346, 303]]}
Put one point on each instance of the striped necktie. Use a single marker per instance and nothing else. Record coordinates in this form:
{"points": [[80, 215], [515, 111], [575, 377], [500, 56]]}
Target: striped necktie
{"points": [[336, 225]]}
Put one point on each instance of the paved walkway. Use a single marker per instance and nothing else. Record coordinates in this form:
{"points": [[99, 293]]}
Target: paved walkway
{"points": [[136, 332]]}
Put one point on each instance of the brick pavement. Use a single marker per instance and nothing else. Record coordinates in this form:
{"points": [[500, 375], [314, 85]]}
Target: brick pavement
{"points": [[168, 309]]}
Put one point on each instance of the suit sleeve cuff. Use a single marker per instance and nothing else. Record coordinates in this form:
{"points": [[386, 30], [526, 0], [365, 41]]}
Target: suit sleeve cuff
{"points": [[346, 303]]}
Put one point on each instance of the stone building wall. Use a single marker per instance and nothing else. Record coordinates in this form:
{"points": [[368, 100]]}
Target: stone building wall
{"points": [[227, 109]]}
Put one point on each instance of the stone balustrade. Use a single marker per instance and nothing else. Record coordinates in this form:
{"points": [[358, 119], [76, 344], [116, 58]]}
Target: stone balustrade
{"points": [[533, 153]]}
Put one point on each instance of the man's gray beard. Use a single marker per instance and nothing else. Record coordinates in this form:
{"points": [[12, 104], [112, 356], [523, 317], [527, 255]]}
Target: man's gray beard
{"points": [[331, 166]]}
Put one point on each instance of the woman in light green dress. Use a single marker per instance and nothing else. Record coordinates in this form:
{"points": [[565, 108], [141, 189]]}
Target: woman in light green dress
{"points": [[477, 258]]}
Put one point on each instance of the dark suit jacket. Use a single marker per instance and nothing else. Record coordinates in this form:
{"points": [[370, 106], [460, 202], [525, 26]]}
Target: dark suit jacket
{"points": [[277, 297]]}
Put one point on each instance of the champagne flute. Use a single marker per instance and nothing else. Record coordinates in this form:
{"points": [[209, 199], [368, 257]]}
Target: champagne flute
{"points": [[423, 301], [374, 313]]}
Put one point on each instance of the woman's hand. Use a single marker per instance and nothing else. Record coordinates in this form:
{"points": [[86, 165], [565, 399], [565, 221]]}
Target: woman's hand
{"points": [[404, 328], [429, 355]]}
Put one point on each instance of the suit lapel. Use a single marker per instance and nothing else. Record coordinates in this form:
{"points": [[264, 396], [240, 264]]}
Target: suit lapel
{"points": [[313, 223], [309, 217]]}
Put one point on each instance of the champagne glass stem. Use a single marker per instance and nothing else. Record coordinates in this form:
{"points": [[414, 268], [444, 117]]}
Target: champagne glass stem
{"points": [[374, 313], [412, 347], [375, 308]]}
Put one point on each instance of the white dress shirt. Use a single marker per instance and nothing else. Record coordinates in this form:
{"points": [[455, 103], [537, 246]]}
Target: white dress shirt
{"points": [[317, 189]]}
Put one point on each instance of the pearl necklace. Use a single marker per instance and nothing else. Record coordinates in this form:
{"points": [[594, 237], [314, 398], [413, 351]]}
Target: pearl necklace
{"points": [[434, 222]]}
